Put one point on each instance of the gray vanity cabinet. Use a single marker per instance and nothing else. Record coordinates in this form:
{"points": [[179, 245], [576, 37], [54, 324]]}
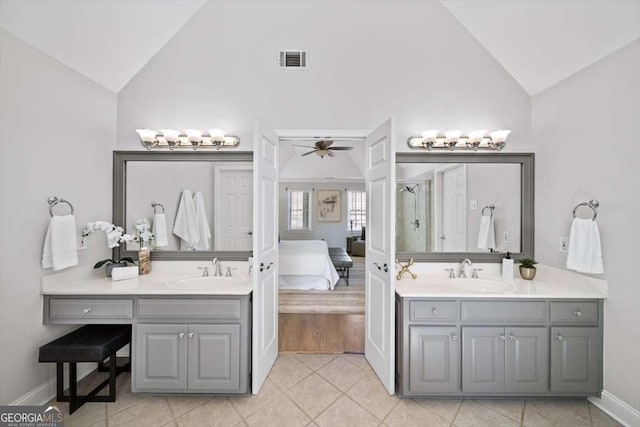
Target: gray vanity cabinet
{"points": [[526, 360], [161, 357], [214, 357], [434, 359], [482, 359], [575, 359]]}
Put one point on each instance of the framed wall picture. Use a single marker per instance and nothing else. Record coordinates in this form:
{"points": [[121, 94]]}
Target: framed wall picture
{"points": [[329, 205]]}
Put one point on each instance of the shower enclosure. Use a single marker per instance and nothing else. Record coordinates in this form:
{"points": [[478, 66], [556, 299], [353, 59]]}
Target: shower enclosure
{"points": [[413, 225]]}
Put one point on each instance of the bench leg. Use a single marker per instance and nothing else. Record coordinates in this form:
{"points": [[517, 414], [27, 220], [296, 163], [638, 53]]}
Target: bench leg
{"points": [[73, 388]]}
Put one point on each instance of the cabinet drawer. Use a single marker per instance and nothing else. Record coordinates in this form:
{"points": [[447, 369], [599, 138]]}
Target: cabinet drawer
{"points": [[90, 309], [577, 312], [499, 311], [433, 311], [189, 308]]}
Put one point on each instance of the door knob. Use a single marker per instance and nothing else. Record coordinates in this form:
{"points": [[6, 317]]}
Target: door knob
{"points": [[512, 337], [87, 310], [265, 267], [559, 337], [578, 313], [501, 337], [434, 312], [190, 334], [181, 335], [454, 337], [442, 237]]}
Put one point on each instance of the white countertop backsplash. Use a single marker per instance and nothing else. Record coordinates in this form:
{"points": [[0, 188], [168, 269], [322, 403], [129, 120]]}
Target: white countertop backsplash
{"points": [[550, 282], [85, 280]]}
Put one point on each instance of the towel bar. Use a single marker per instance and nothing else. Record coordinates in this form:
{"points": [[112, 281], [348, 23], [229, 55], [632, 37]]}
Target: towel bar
{"points": [[53, 200], [155, 204], [593, 204], [490, 207]]}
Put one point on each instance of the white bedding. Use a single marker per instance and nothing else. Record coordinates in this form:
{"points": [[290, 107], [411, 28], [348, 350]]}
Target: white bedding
{"points": [[306, 258]]}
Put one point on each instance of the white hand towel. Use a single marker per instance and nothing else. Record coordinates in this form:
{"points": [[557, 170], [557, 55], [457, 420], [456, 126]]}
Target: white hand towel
{"points": [[487, 233], [160, 230], [60, 248], [123, 273], [185, 225], [585, 252], [203, 224]]}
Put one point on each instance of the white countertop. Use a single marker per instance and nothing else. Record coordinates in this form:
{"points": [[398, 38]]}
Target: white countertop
{"points": [[549, 283], [165, 279]]}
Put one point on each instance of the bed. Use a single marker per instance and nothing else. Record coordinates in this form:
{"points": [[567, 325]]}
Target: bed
{"points": [[306, 265]]}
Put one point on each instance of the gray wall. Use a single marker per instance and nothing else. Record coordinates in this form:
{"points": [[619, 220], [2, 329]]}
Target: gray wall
{"points": [[358, 75], [58, 131], [586, 130], [334, 233]]}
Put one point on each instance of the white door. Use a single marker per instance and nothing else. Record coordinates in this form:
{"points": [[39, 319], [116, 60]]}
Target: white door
{"points": [[265, 255], [380, 251], [233, 208], [454, 210]]}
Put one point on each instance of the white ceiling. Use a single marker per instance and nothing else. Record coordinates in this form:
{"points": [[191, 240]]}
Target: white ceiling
{"points": [[538, 42], [542, 42], [108, 41]]}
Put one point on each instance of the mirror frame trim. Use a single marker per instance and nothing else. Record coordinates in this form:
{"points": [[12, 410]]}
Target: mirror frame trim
{"points": [[527, 206], [120, 159]]}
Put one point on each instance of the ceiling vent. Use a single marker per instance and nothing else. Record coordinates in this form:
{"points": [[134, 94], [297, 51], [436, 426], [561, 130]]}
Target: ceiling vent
{"points": [[293, 59]]}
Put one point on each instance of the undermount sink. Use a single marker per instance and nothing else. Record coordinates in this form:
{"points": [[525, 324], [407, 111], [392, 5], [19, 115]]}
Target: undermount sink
{"points": [[486, 286], [202, 283]]}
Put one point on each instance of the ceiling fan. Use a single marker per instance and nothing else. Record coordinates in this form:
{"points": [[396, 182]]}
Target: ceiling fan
{"points": [[323, 148]]}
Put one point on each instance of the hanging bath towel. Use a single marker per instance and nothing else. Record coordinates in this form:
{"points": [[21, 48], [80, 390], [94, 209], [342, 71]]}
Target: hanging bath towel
{"points": [[487, 233], [60, 248], [186, 225], [202, 223], [585, 252], [160, 230]]}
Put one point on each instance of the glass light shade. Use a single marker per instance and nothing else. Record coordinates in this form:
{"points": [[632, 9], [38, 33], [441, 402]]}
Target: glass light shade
{"points": [[499, 136], [194, 135], [216, 134], [147, 135], [171, 135], [452, 135], [430, 135], [476, 136]]}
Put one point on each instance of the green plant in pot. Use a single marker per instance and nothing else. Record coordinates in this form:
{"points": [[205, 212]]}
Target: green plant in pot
{"points": [[110, 264], [527, 268]]}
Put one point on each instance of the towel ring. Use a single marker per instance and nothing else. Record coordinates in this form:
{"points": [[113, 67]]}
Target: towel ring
{"points": [[154, 205], [593, 204], [53, 200], [490, 207]]}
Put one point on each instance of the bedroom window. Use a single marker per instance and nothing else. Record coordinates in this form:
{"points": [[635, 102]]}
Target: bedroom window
{"points": [[299, 210], [357, 210]]}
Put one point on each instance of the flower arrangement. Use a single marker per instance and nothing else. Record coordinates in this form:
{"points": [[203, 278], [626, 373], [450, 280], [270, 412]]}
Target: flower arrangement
{"points": [[144, 233], [115, 234]]}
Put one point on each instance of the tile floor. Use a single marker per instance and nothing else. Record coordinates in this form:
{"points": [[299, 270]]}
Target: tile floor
{"points": [[325, 390]]}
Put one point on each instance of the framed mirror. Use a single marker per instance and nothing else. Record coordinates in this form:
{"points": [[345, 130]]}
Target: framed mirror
{"points": [[455, 206], [206, 199]]}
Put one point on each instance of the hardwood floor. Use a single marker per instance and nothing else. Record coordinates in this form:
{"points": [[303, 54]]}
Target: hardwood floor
{"points": [[321, 333]]}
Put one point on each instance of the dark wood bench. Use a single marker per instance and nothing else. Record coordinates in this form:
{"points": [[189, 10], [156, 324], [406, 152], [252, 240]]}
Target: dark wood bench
{"points": [[91, 343], [342, 262]]}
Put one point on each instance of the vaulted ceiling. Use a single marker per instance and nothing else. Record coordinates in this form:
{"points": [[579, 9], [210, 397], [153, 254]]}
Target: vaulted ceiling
{"points": [[538, 42]]}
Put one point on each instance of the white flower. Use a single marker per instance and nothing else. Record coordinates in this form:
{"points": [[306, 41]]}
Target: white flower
{"points": [[115, 234]]}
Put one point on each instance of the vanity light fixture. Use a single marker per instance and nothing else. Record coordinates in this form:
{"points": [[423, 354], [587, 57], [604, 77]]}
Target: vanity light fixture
{"points": [[455, 140], [193, 138]]}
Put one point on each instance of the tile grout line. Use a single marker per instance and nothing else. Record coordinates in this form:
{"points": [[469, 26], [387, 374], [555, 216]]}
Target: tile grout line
{"points": [[457, 412], [524, 408], [590, 414], [479, 402], [234, 409]]}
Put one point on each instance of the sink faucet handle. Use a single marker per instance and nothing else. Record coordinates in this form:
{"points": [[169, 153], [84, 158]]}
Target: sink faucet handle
{"points": [[451, 273], [205, 271], [474, 273], [228, 272]]}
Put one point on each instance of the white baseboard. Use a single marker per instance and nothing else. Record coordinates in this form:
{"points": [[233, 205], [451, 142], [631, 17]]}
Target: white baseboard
{"points": [[47, 391], [617, 409]]}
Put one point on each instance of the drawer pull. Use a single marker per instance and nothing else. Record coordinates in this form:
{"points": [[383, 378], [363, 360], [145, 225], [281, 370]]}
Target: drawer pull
{"points": [[190, 335], [501, 337], [512, 337], [454, 337], [181, 335], [434, 312], [578, 313], [559, 337], [86, 310]]}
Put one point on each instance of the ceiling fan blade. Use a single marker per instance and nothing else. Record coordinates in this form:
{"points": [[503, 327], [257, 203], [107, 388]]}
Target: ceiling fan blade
{"points": [[341, 148], [306, 154], [330, 154], [327, 142], [304, 146]]}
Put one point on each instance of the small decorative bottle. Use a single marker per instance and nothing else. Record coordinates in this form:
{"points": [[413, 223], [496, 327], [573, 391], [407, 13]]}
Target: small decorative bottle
{"points": [[144, 260]]}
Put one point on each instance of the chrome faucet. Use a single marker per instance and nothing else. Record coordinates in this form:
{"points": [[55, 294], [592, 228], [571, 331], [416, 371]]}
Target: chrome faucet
{"points": [[461, 272], [218, 266], [205, 271]]}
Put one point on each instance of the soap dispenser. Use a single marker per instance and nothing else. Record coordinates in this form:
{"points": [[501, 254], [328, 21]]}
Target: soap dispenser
{"points": [[507, 267]]}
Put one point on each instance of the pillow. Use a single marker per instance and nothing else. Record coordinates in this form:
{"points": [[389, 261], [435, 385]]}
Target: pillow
{"points": [[362, 235]]}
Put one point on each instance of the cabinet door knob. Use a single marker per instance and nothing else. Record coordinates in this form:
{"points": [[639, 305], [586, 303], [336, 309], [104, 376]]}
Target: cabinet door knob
{"points": [[454, 337], [190, 335], [86, 310], [559, 337], [181, 335], [578, 313], [512, 337], [434, 312], [501, 337]]}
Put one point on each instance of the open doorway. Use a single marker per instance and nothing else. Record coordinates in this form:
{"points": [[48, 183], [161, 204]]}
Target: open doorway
{"points": [[322, 227]]}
